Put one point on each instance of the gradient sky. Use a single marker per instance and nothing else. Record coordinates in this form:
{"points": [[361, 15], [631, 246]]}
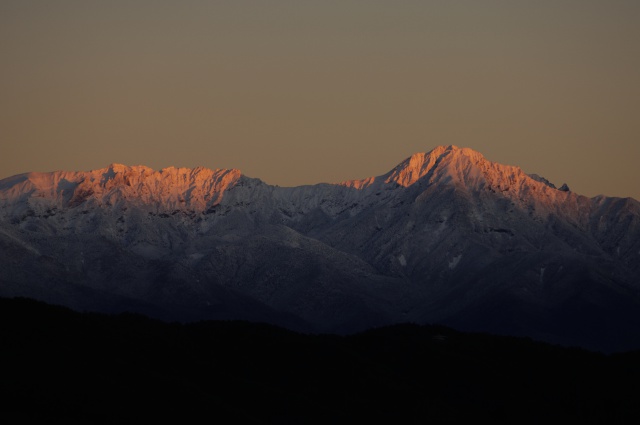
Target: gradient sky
{"points": [[298, 92]]}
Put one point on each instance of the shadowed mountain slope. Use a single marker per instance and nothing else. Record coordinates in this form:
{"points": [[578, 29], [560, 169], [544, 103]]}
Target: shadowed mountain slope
{"points": [[445, 237]]}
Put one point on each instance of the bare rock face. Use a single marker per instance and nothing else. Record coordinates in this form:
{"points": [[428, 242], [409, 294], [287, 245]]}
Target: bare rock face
{"points": [[446, 236]]}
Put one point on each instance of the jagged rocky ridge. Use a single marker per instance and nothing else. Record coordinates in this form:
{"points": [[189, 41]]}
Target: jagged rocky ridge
{"points": [[445, 237]]}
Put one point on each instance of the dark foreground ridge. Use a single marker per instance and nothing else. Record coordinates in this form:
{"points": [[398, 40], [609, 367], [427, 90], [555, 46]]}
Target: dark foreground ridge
{"points": [[60, 365]]}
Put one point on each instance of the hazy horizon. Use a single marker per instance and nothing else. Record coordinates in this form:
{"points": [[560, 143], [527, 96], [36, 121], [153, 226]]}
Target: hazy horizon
{"points": [[302, 92]]}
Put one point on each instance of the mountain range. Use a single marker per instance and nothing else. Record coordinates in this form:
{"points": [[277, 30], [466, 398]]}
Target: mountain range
{"points": [[445, 237]]}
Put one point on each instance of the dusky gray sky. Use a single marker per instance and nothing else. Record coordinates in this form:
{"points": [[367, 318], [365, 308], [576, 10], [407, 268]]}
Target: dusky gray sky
{"points": [[299, 92]]}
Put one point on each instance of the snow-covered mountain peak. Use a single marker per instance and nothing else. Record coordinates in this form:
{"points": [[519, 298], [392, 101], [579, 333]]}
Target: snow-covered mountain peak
{"points": [[469, 171], [441, 236], [168, 189], [443, 160], [417, 166], [199, 189]]}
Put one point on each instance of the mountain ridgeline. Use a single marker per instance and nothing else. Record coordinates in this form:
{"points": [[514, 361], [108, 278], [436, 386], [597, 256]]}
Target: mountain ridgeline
{"points": [[445, 237]]}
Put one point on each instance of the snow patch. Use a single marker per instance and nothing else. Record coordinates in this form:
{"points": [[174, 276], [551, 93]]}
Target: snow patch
{"points": [[454, 262], [403, 261]]}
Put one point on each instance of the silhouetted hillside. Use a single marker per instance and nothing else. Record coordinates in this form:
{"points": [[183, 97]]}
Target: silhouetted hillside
{"points": [[88, 368]]}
